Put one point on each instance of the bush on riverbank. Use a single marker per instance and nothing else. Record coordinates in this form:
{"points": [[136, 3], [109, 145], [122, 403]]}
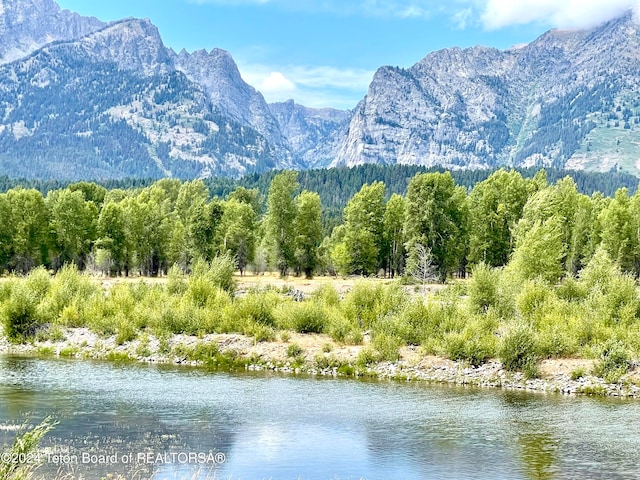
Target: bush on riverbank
{"points": [[496, 314]]}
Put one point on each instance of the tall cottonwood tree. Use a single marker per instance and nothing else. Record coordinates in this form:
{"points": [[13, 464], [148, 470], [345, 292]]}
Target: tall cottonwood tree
{"points": [[280, 220], [394, 217], [29, 220], [74, 226], [237, 232], [495, 206], [308, 231], [364, 229], [436, 219], [113, 237]]}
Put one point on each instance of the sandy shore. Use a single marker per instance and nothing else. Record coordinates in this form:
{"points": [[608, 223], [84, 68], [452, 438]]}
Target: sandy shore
{"points": [[320, 355]]}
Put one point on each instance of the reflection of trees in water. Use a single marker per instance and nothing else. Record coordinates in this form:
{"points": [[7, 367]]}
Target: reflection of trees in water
{"points": [[539, 452], [538, 448], [450, 443], [104, 426]]}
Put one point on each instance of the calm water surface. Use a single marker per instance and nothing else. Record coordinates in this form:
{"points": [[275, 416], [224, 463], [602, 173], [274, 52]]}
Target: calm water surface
{"points": [[274, 427]]}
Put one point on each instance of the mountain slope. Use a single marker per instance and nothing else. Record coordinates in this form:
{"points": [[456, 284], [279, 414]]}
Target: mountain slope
{"points": [[310, 132], [26, 25], [112, 104], [83, 99], [568, 98]]}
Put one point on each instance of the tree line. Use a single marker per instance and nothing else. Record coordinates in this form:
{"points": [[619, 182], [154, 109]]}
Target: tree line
{"points": [[438, 227]]}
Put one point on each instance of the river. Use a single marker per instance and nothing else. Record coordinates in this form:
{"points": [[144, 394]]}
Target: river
{"points": [[189, 423]]}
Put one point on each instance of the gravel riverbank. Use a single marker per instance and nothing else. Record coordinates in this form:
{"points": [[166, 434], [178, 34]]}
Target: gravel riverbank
{"points": [[318, 355]]}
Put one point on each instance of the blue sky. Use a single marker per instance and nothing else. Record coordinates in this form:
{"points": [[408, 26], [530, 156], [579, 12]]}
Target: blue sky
{"points": [[323, 53]]}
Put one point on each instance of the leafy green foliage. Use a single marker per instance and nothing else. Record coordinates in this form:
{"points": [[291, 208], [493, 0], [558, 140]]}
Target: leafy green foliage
{"points": [[436, 219], [518, 349], [281, 215], [25, 445]]}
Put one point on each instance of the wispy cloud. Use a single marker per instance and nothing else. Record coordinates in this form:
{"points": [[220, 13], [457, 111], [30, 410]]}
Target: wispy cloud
{"points": [[371, 8], [491, 14], [498, 14], [313, 86]]}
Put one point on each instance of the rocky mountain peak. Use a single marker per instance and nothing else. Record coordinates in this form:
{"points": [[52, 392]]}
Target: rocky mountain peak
{"points": [[26, 25], [134, 44]]}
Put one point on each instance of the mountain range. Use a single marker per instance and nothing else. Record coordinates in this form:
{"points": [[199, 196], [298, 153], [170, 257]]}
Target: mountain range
{"points": [[80, 98]]}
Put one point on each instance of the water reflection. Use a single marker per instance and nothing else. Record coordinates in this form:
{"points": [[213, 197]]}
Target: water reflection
{"points": [[286, 427]]}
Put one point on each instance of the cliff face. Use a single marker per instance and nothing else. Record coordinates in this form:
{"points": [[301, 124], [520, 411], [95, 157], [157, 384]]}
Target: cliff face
{"points": [[83, 99], [566, 99], [26, 25]]}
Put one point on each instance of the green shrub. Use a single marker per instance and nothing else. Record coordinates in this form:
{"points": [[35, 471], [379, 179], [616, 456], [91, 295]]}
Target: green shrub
{"points": [[367, 301], [620, 303], [599, 272], [164, 347], [388, 347], [38, 282], [302, 317], [294, 350], [555, 339], [420, 321], [285, 336], [219, 272], [143, 349], [326, 362], [259, 332], [571, 290], [255, 307], [341, 329], [327, 295], [19, 317], [367, 356], [205, 352], [69, 287], [475, 342], [614, 362], [518, 349], [578, 373], [533, 298], [125, 331], [483, 288], [176, 281], [6, 287], [200, 290], [509, 285]]}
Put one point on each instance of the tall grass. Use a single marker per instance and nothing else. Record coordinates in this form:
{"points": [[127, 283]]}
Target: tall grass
{"points": [[595, 314], [25, 446]]}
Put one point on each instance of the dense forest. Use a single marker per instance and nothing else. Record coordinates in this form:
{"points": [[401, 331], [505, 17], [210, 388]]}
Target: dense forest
{"points": [[336, 186], [437, 228]]}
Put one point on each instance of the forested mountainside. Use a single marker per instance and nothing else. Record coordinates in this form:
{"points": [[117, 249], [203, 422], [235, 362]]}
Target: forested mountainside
{"points": [[83, 99]]}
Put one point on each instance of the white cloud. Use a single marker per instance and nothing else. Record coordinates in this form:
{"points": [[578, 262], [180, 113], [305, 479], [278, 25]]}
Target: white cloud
{"points": [[276, 82], [313, 86], [492, 14], [498, 14]]}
